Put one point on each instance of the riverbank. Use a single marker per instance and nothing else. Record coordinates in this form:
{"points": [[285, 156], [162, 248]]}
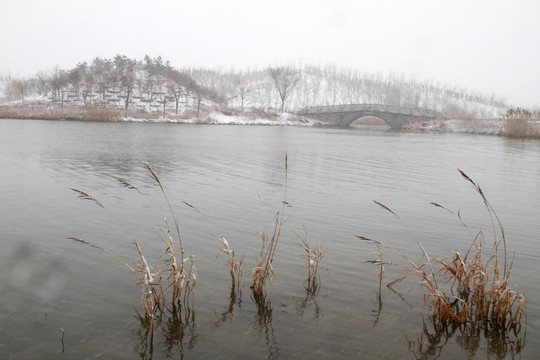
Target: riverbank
{"points": [[104, 114], [520, 128], [524, 128], [469, 126]]}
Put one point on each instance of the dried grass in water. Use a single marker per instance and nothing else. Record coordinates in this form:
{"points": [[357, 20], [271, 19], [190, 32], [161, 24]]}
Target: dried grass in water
{"points": [[172, 280], [470, 288]]}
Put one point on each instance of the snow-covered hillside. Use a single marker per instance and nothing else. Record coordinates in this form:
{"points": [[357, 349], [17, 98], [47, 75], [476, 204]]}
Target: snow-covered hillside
{"points": [[154, 86]]}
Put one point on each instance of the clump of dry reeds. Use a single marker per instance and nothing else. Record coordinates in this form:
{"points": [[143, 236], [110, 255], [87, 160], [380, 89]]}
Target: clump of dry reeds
{"points": [[235, 266], [313, 258], [521, 123], [174, 277], [474, 287], [67, 112]]}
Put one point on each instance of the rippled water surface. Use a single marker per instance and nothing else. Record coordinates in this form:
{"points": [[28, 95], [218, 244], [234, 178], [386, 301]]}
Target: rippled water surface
{"points": [[61, 299]]}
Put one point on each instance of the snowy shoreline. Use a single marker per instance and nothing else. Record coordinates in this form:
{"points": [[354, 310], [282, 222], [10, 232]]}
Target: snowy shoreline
{"points": [[468, 126], [216, 117]]}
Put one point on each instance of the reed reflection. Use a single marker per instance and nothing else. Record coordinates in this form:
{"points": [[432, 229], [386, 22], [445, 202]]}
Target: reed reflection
{"points": [[235, 300], [495, 340], [175, 328], [306, 302], [263, 322]]}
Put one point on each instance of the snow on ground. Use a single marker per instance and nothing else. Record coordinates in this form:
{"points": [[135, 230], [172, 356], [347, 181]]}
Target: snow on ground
{"points": [[470, 126], [217, 118]]}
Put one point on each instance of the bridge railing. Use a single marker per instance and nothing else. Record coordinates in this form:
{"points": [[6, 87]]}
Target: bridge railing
{"points": [[369, 107]]}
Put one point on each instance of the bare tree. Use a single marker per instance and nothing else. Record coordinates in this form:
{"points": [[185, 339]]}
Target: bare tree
{"points": [[18, 87], [198, 91], [202, 92], [42, 83], [177, 84], [285, 79], [76, 75], [88, 82], [241, 84], [125, 69], [102, 69]]}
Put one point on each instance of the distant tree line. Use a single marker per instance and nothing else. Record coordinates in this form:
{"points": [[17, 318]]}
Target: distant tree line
{"points": [[150, 84], [331, 85], [153, 85]]}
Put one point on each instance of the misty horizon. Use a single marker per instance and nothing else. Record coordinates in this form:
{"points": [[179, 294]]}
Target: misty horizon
{"points": [[485, 47]]}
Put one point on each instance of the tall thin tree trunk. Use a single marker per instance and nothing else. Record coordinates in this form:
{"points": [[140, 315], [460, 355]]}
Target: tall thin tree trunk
{"points": [[128, 92]]}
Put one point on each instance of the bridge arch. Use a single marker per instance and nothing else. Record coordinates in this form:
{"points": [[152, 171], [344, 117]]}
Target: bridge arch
{"points": [[345, 115], [370, 121], [395, 121]]}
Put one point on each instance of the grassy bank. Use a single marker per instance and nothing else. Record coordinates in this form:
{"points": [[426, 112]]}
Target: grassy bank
{"points": [[525, 128], [206, 115], [86, 113], [43, 112]]}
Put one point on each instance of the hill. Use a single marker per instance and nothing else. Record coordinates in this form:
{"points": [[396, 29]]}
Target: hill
{"points": [[152, 87]]}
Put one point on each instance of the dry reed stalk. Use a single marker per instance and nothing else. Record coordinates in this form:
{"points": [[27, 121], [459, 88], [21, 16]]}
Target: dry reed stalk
{"points": [[476, 286], [235, 266], [264, 270], [313, 259], [146, 277], [172, 281]]}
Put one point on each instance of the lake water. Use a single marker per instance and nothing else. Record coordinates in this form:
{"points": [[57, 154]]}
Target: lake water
{"points": [[62, 299]]}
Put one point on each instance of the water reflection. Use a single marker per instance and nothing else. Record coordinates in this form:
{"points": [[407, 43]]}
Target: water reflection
{"points": [[40, 275], [176, 328], [234, 300], [306, 301], [378, 310], [263, 322], [498, 342]]}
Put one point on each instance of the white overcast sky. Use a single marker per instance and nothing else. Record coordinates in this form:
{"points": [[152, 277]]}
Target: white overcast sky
{"points": [[492, 46]]}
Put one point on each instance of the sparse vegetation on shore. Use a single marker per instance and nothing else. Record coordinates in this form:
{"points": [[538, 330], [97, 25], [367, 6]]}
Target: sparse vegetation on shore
{"points": [[521, 123]]}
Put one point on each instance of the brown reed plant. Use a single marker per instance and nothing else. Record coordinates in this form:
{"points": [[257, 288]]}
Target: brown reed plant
{"points": [[173, 279], [469, 288], [313, 258], [264, 270], [521, 123], [234, 265], [68, 112]]}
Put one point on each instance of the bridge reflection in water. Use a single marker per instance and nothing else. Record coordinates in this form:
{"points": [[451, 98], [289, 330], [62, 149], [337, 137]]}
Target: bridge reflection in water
{"points": [[345, 115]]}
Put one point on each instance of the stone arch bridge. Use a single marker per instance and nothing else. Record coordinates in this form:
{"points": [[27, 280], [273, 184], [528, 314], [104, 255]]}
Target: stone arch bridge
{"points": [[345, 115]]}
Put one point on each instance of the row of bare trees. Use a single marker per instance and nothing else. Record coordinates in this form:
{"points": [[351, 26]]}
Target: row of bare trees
{"points": [[156, 85], [292, 87]]}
